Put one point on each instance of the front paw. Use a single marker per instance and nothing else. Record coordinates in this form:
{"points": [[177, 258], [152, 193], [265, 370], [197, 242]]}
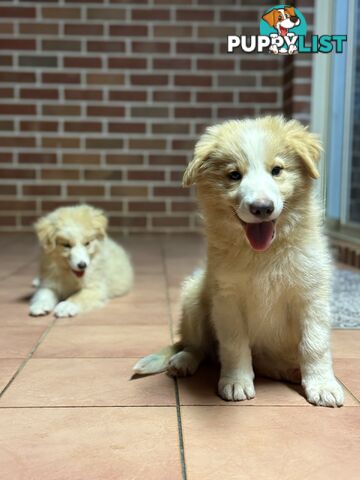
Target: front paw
{"points": [[236, 389], [39, 309], [325, 393], [66, 309]]}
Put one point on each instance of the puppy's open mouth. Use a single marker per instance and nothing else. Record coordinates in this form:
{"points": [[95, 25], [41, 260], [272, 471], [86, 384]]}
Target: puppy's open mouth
{"points": [[79, 273], [259, 235]]}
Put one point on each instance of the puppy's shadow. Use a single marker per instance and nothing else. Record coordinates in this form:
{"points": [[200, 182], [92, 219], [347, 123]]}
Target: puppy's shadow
{"points": [[24, 298]]}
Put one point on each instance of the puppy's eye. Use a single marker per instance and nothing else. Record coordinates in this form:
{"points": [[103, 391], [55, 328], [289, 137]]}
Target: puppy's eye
{"points": [[276, 171], [66, 245], [87, 244], [235, 175]]}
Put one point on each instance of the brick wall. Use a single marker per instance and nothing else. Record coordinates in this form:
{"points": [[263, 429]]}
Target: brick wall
{"points": [[102, 101]]}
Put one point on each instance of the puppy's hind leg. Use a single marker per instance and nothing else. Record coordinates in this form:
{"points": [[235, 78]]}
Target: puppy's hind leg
{"points": [[194, 328]]}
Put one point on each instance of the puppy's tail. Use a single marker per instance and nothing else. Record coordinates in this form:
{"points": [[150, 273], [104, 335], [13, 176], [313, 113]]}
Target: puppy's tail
{"points": [[157, 362]]}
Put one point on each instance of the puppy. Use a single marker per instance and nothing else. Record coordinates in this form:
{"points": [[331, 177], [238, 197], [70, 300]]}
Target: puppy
{"points": [[283, 20], [80, 266], [263, 298]]}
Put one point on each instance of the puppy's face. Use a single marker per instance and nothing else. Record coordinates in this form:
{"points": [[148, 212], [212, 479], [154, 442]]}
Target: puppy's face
{"points": [[254, 172], [282, 19], [72, 236]]}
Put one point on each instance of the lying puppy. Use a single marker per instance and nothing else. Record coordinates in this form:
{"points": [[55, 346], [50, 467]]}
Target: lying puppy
{"points": [[80, 266], [263, 298]]}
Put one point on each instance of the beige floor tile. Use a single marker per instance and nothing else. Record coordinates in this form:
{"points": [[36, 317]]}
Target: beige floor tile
{"points": [[8, 367], [275, 443], [346, 343], [17, 314], [103, 341], [89, 444], [86, 382], [201, 389], [117, 312], [348, 372], [17, 342]]}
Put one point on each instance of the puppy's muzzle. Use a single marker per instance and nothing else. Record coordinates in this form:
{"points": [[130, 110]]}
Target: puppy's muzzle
{"points": [[262, 209], [82, 266]]}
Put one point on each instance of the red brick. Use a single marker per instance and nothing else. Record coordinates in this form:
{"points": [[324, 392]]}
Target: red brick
{"points": [[193, 80], [106, 14], [129, 30], [149, 112], [83, 127], [60, 142], [61, 13], [128, 95], [146, 175], [183, 206], [103, 174], [217, 96], [18, 205], [6, 125], [83, 94], [6, 157], [193, 15], [235, 112], [125, 159], [7, 189], [167, 159], [80, 190], [126, 62], [38, 126], [150, 47], [17, 44], [17, 12], [260, 64], [236, 80], [170, 221], [147, 79], [183, 144], [151, 14], [129, 191], [105, 46], [171, 63], [24, 77], [105, 111], [7, 221], [171, 96], [6, 93], [39, 93], [39, 28], [61, 45], [6, 60], [62, 174], [173, 31], [147, 143], [17, 109], [9, 173], [147, 206], [170, 192], [37, 158], [83, 29], [6, 28], [104, 143], [127, 127], [45, 190], [191, 47], [128, 221], [80, 159], [218, 65], [257, 97], [61, 110], [192, 112], [239, 16], [215, 32], [104, 79], [60, 78], [82, 62]]}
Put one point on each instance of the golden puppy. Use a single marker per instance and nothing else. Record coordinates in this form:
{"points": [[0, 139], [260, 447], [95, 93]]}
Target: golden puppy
{"points": [[80, 267], [263, 297]]}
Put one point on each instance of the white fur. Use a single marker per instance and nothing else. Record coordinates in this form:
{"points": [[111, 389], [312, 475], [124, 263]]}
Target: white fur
{"points": [[267, 311], [68, 236]]}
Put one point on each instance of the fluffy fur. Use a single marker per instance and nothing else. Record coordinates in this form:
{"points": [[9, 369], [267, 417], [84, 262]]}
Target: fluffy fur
{"points": [[80, 266], [262, 305]]}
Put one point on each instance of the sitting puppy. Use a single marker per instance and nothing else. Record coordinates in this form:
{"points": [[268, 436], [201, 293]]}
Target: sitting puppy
{"points": [[80, 266], [263, 298]]}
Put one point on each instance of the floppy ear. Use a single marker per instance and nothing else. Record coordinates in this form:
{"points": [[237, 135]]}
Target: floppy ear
{"points": [[99, 221], [306, 145], [46, 232], [202, 150], [290, 11], [270, 18]]}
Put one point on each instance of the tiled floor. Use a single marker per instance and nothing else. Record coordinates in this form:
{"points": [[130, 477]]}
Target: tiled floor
{"points": [[69, 408]]}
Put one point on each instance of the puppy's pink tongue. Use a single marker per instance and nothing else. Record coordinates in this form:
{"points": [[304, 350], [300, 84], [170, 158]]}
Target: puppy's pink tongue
{"points": [[260, 235]]}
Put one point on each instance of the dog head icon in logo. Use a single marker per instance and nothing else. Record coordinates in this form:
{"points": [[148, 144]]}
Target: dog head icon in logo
{"points": [[283, 24]]}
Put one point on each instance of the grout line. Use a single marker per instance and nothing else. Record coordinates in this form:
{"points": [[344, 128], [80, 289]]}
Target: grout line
{"points": [[24, 362], [347, 390], [177, 396]]}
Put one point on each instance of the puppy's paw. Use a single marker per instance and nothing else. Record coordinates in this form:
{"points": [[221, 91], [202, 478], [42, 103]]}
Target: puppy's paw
{"points": [[66, 309], [182, 364], [325, 393], [39, 309], [236, 389]]}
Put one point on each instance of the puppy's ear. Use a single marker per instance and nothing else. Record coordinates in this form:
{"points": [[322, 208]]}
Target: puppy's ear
{"points": [[306, 145], [290, 11], [204, 147], [100, 222], [270, 18], [46, 233]]}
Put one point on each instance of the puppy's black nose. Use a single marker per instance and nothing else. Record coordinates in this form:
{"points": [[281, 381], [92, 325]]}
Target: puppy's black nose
{"points": [[294, 19], [262, 208], [81, 265]]}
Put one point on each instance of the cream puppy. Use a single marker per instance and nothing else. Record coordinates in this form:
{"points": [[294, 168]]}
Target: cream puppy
{"points": [[262, 302], [80, 266]]}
